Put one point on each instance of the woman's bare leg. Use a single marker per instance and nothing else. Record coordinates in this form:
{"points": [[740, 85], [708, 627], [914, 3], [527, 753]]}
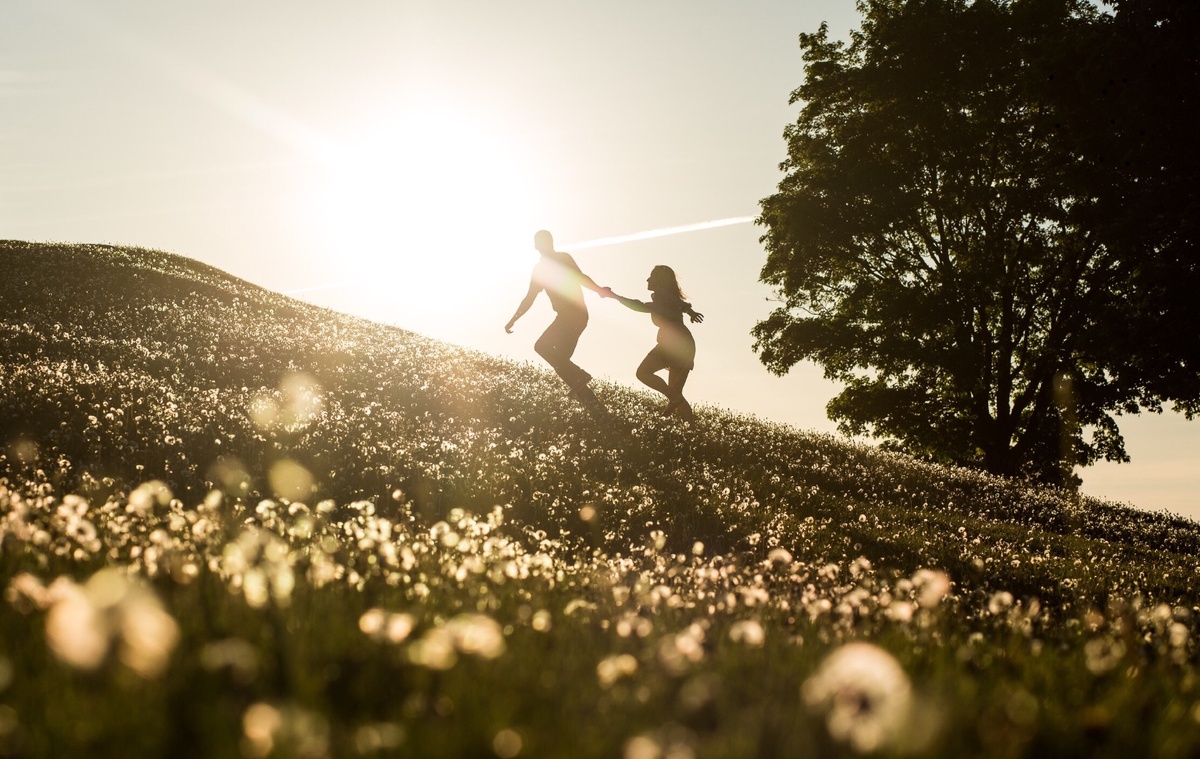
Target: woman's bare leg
{"points": [[677, 379], [646, 374]]}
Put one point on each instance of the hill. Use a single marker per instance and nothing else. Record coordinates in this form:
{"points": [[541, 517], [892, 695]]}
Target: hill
{"points": [[354, 539]]}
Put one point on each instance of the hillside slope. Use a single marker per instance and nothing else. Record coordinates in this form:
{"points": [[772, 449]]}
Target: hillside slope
{"points": [[132, 365], [235, 524]]}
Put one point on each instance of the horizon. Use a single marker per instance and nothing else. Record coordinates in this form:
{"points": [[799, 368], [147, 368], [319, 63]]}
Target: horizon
{"points": [[415, 149]]}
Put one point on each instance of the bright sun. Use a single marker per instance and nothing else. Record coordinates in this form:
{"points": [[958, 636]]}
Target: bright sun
{"points": [[425, 213]]}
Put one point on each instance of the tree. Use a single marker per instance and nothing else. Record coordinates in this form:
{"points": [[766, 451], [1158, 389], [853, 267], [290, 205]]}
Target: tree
{"points": [[947, 239]]}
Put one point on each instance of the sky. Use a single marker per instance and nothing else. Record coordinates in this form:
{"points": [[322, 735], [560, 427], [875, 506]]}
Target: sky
{"points": [[392, 160]]}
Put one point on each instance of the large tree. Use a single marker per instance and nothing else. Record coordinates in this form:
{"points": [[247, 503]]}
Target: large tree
{"points": [[953, 238]]}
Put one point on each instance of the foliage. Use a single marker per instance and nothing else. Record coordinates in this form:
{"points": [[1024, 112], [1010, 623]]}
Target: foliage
{"points": [[234, 524], [944, 244]]}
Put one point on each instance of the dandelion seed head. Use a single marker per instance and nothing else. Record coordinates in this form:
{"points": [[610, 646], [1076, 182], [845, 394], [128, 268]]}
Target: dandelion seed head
{"points": [[779, 556], [541, 621], [477, 635], [1103, 654], [507, 744], [260, 723], [398, 627], [435, 650], [147, 496], [613, 668], [382, 736], [290, 480], [748, 632], [372, 621], [642, 747], [864, 693], [1000, 602], [900, 611]]}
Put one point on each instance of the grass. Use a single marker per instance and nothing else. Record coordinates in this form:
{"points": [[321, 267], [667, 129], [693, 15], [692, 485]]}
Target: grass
{"points": [[232, 524]]}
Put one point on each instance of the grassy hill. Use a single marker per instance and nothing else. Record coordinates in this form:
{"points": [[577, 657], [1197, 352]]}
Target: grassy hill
{"points": [[236, 524]]}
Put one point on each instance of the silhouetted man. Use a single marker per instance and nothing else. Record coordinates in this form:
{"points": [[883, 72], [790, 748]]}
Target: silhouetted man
{"points": [[559, 275]]}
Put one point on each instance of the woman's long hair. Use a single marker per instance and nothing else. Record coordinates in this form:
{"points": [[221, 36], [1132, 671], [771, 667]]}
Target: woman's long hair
{"points": [[664, 279]]}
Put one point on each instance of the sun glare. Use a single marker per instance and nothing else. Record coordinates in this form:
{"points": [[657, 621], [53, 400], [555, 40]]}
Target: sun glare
{"points": [[423, 213]]}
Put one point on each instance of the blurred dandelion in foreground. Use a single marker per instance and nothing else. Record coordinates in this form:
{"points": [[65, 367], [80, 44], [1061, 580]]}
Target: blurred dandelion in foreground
{"points": [[290, 480], [381, 736], [748, 632], [865, 695], [296, 404], [471, 634], [1000, 602], [384, 626], [287, 731], [85, 621], [671, 741], [779, 556], [613, 668], [507, 744], [147, 496], [932, 587], [1103, 654]]}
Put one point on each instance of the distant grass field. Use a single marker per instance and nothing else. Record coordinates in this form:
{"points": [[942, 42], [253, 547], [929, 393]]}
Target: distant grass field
{"points": [[232, 524]]}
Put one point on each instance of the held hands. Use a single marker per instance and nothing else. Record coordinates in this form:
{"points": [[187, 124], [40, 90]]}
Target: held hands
{"points": [[606, 292]]}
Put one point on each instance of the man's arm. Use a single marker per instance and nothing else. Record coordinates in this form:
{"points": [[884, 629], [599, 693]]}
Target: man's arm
{"points": [[584, 279], [526, 302]]}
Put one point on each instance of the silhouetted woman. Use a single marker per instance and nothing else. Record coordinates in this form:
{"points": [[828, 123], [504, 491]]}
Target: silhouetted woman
{"points": [[676, 348]]}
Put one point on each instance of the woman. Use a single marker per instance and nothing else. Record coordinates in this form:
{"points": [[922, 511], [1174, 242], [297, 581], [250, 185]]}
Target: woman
{"points": [[676, 349]]}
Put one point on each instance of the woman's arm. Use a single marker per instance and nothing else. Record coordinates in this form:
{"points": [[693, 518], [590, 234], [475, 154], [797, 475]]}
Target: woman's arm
{"points": [[632, 303]]}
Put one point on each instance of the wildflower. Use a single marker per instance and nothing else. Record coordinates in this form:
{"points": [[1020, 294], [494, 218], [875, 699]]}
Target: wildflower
{"points": [[932, 587], [434, 650], [613, 668], [26, 593], [288, 731], [779, 556], [84, 622], [1000, 602], [1103, 654], [900, 611], [380, 736], [148, 495], [749, 632], [865, 695], [476, 635], [507, 743]]}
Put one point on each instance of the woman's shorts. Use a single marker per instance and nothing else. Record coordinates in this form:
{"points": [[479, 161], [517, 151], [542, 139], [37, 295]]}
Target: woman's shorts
{"points": [[675, 350]]}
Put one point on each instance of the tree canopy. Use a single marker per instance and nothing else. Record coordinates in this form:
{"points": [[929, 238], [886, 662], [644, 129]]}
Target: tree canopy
{"points": [[986, 228]]}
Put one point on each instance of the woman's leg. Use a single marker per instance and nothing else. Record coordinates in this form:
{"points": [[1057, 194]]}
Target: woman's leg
{"points": [[676, 379], [646, 373]]}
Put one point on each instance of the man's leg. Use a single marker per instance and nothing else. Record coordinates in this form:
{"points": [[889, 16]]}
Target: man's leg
{"points": [[557, 345]]}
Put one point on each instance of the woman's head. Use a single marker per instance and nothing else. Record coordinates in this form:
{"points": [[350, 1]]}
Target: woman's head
{"points": [[662, 279]]}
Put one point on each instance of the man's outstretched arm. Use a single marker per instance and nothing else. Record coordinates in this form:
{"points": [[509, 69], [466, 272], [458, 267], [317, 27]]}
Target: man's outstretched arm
{"points": [[584, 279], [526, 302]]}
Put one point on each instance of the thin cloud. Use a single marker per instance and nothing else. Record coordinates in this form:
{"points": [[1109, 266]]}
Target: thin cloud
{"points": [[649, 234]]}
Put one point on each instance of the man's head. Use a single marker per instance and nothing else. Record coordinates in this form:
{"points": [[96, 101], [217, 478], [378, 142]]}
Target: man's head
{"points": [[543, 241]]}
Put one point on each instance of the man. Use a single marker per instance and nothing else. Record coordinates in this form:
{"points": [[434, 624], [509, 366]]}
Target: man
{"points": [[559, 275]]}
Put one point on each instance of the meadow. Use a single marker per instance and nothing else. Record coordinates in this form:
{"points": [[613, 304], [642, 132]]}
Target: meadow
{"points": [[233, 524]]}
